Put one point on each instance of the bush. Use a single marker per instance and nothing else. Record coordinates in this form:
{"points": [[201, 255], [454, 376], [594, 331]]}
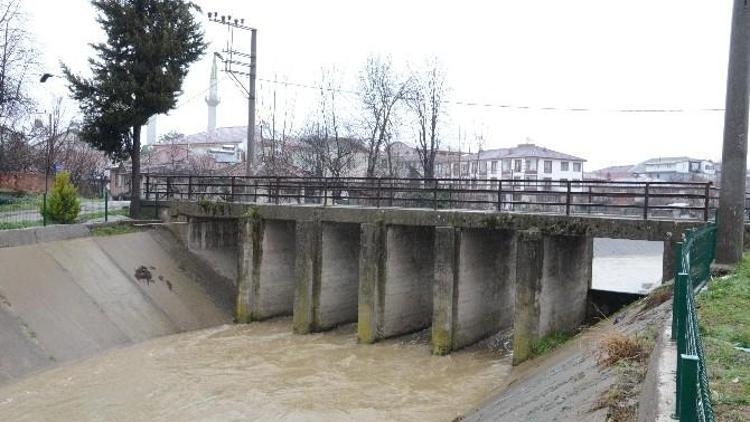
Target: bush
{"points": [[62, 202]]}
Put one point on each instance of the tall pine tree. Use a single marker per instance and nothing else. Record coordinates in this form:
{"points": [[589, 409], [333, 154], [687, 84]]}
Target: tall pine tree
{"points": [[137, 73]]}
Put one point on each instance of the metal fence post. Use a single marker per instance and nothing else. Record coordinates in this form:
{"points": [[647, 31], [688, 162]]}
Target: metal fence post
{"points": [[378, 191], [645, 202], [231, 192], [706, 201], [106, 206], [169, 187], [688, 388], [325, 191], [190, 188], [500, 195], [435, 194], [677, 248], [278, 189], [148, 187], [567, 198]]}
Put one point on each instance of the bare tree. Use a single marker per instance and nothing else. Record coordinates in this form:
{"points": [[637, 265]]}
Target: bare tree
{"points": [[425, 100], [381, 91], [17, 61], [324, 150], [177, 154], [276, 127]]}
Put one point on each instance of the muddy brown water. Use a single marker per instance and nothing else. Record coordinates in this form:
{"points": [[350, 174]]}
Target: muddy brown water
{"points": [[261, 371]]}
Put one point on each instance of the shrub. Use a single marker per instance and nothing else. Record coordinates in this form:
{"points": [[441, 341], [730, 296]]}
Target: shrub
{"points": [[62, 201]]}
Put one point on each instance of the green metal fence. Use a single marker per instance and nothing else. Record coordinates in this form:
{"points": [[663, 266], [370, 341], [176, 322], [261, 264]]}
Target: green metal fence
{"points": [[693, 268]]}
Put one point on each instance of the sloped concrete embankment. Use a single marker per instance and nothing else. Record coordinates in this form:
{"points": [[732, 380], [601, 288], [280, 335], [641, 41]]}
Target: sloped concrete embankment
{"points": [[67, 300]]}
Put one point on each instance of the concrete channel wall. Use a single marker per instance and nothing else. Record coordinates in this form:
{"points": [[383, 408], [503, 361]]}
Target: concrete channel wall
{"points": [[466, 275]]}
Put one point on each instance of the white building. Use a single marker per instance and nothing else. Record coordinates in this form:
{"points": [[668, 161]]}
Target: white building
{"points": [[523, 162], [675, 169]]}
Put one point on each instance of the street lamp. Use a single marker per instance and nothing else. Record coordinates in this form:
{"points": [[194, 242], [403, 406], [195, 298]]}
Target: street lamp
{"points": [[48, 154]]}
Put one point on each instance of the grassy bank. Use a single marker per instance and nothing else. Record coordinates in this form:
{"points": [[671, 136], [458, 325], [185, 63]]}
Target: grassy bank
{"points": [[724, 314]]}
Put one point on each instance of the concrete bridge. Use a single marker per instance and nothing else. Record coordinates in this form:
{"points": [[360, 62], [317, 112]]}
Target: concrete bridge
{"points": [[466, 274]]}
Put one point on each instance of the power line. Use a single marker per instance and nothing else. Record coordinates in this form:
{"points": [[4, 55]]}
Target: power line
{"points": [[516, 107]]}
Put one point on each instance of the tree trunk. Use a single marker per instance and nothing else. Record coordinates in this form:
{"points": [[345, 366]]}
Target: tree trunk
{"points": [[135, 174]]}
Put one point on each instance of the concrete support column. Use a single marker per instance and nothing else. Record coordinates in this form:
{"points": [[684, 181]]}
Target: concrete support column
{"points": [[668, 261], [529, 273], [445, 289], [474, 286], [553, 276], [250, 252], [266, 276], [308, 239], [371, 280]]}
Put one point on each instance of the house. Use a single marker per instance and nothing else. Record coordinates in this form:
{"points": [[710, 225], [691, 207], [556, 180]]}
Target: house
{"points": [[675, 169], [611, 174], [523, 162]]}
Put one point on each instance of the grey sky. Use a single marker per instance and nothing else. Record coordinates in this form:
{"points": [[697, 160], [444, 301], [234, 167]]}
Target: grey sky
{"points": [[596, 54]]}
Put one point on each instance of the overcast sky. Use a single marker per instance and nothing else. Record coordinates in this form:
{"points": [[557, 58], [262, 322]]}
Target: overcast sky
{"points": [[602, 55]]}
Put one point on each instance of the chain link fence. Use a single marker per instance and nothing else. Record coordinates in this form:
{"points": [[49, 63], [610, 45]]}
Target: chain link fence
{"points": [[26, 209], [694, 258]]}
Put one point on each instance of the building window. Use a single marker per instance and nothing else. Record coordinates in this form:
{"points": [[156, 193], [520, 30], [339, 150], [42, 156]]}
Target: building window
{"points": [[506, 165], [548, 183], [695, 167], [455, 169], [474, 167], [577, 167], [482, 167], [438, 169], [517, 166], [493, 167], [531, 165], [465, 168], [548, 166], [564, 166]]}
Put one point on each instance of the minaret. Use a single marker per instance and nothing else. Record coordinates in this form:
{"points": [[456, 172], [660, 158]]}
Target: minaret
{"points": [[213, 98], [151, 131]]}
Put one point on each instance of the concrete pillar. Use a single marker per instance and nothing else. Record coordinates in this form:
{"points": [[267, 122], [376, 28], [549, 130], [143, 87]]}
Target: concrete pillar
{"points": [[266, 277], [668, 261], [395, 280], [553, 276], [529, 272], [474, 286], [327, 275], [371, 279], [444, 290], [308, 239]]}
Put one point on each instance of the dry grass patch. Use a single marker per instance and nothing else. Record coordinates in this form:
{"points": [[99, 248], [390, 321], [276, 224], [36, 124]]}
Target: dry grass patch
{"points": [[617, 347]]}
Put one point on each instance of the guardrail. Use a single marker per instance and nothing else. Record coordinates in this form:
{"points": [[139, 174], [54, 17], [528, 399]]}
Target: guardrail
{"points": [[694, 257], [645, 200]]}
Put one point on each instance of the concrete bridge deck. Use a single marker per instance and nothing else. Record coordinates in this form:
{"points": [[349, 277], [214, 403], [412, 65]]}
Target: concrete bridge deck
{"points": [[465, 274]]}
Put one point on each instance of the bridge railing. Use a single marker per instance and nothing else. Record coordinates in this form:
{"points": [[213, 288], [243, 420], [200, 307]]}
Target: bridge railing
{"points": [[646, 200], [694, 257]]}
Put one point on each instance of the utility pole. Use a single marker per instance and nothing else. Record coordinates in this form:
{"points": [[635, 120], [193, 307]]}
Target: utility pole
{"points": [[731, 217], [231, 62], [251, 106]]}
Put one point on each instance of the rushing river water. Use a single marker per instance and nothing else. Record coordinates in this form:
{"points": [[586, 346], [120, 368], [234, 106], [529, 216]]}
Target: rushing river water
{"points": [[261, 372]]}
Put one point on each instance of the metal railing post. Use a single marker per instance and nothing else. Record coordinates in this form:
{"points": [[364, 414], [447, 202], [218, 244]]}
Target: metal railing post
{"points": [[677, 250], [706, 201], [148, 186], [435, 194], [106, 207], [378, 192], [169, 187], [190, 188], [231, 192], [645, 202], [278, 189], [325, 192], [567, 198], [687, 391], [500, 195]]}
